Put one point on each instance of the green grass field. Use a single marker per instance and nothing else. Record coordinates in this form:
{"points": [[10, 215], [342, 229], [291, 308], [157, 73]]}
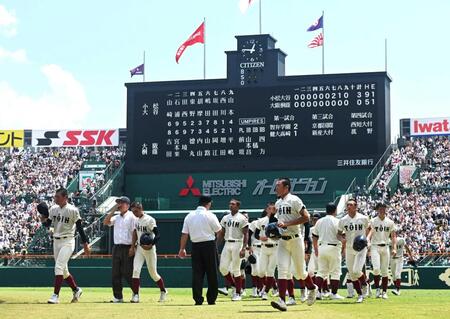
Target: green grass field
{"points": [[19, 303]]}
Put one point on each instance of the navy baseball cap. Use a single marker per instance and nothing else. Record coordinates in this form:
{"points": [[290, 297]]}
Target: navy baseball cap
{"points": [[123, 199]]}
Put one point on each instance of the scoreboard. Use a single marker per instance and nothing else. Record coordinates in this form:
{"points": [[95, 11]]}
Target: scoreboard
{"points": [[277, 123]]}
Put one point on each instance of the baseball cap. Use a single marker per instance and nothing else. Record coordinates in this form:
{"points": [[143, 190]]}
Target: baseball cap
{"points": [[316, 215], [123, 199]]}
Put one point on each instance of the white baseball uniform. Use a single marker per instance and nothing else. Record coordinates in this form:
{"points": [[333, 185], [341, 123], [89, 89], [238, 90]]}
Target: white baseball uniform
{"points": [[313, 260], [330, 257], [64, 225], [230, 261], [256, 247], [145, 225], [291, 248], [268, 259], [379, 250], [353, 227], [397, 260]]}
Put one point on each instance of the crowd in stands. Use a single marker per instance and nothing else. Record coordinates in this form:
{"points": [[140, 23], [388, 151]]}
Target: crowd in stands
{"points": [[421, 206], [28, 176]]}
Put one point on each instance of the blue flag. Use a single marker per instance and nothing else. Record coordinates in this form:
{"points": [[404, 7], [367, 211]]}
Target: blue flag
{"points": [[139, 70], [318, 24]]}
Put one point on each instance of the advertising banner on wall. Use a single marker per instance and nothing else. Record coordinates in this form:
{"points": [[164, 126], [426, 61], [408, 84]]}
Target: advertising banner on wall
{"points": [[12, 138], [430, 126], [74, 138]]}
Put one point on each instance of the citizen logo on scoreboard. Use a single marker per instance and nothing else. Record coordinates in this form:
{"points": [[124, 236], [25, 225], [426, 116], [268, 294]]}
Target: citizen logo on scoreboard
{"points": [[74, 138]]}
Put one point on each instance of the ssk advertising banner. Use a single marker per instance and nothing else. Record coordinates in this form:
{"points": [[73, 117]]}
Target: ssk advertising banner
{"points": [[430, 126], [74, 138]]}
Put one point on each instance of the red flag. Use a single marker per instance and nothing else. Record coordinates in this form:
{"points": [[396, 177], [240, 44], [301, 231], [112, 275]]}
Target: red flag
{"points": [[197, 37], [244, 4], [317, 41]]}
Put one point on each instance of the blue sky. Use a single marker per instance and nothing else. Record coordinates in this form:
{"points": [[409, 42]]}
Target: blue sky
{"points": [[63, 64]]}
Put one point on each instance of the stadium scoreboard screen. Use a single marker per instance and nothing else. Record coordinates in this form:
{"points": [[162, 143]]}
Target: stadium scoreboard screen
{"points": [[258, 123]]}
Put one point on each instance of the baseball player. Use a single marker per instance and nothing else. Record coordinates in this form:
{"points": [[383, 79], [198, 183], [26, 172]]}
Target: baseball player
{"points": [[254, 245], [327, 249], [397, 263], [382, 230], [145, 224], [291, 213], [352, 225], [64, 218], [268, 256], [313, 260], [235, 233]]}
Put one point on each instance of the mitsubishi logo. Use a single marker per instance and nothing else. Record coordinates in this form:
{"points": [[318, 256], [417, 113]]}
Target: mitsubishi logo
{"points": [[190, 189]]}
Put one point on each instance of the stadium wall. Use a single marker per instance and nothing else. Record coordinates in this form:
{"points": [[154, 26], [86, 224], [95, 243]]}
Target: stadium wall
{"points": [[177, 273], [254, 189]]}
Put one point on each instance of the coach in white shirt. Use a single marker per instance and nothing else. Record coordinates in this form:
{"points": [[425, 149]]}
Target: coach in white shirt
{"points": [[202, 226], [122, 254]]}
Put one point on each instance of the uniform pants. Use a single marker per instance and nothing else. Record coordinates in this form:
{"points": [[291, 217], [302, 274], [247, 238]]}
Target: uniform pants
{"points": [[355, 262], [329, 262], [291, 257], [122, 268], [204, 261], [256, 266], [268, 261], [230, 261], [62, 251], [396, 268], [380, 259], [149, 257], [312, 264]]}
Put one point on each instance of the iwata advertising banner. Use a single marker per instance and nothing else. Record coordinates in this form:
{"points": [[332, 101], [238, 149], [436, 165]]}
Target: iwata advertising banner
{"points": [[74, 138], [430, 126]]}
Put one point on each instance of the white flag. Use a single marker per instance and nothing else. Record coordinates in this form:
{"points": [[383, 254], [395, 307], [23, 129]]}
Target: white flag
{"points": [[244, 4]]}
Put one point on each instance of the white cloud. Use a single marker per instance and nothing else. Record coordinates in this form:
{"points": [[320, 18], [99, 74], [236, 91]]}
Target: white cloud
{"points": [[64, 105], [18, 56], [8, 22]]}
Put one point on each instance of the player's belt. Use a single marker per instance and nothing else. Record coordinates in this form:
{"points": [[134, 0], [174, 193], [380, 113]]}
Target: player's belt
{"points": [[258, 246], [381, 245], [270, 245], [65, 237], [329, 244], [290, 237], [233, 241]]}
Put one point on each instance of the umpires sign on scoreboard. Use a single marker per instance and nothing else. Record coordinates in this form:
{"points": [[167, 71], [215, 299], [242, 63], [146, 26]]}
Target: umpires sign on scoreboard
{"points": [[257, 118]]}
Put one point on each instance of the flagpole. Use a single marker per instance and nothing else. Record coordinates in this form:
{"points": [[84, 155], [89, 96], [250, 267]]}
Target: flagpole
{"points": [[260, 17], [204, 48], [323, 43], [143, 78], [385, 55]]}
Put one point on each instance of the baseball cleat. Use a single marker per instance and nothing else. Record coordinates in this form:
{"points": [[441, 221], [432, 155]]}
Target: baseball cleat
{"points": [[163, 296], [135, 298], [302, 295], [236, 297], [384, 295], [76, 295], [116, 300], [311, 296], [360, 299], [396, 292], [365, 291], [378, 293], [53, 299], [280, 305], [319, 295], [275, 293], [223, 291], [264, 296], [336, 297], [291, 301], [326, 294]]}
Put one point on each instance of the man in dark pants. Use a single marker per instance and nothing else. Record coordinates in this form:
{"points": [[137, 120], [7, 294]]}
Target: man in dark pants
{"points": [[202, 226], [122, 254]]}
